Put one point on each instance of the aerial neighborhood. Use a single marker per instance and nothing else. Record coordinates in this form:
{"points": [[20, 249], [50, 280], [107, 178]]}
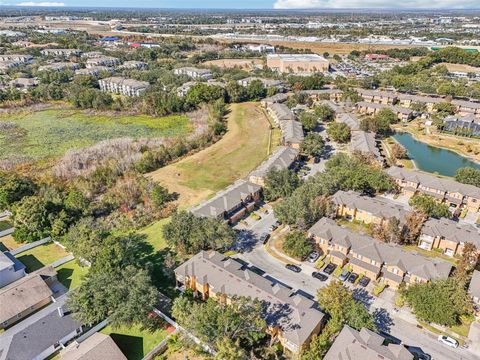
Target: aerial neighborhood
{"points": [[170, 189]]}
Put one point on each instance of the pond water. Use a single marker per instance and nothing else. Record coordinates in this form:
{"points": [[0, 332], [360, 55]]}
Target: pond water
{"points": [[433, 159]]}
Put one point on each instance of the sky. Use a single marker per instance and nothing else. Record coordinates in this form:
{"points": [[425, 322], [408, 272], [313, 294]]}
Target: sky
{"points": [[260, 4]]}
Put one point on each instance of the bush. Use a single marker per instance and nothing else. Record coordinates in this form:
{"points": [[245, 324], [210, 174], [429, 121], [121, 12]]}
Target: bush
{"points": [[377, 290], [296, 245]]}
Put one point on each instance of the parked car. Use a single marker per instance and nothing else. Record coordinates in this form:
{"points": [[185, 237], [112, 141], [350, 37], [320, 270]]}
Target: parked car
{"points": [[264, 238], [330, 268], [447, 340], [314, 255], [319, 276], [273, 227], [352, 278], [364, 281], [293, 268], [418, 353], [344, 275]]}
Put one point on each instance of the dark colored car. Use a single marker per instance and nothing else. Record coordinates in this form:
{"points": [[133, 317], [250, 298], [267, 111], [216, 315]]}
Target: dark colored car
{"points": [[264, 238], [319, 276], [293, 268], [352, 278], [344, 275], [364, 281], [330, 268]]}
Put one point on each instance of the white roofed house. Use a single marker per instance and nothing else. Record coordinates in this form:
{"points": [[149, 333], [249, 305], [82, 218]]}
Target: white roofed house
{"points": [[21, 58], [120, 85]]}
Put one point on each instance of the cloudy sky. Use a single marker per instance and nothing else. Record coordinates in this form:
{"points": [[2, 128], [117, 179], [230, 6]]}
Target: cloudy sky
{"points": [[263, 4]]}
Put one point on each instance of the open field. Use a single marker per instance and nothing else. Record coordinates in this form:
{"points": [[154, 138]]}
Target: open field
{"points": [[134, 342], [41, 256], [246, 64], [241, 150], [71, 274], [461, 68], [46, 133]]}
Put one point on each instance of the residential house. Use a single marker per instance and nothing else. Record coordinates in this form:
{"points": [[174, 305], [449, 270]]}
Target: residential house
{"points": [[282, 158], [369, 210], [195, 73], [7, 65], [291, 317], [448, 236], [467, 125], [18, 58], [277, 98], [453, 193], [10, 269], [324, 94], [292, 133], [185, 88], [348, 118], [23, 83], [467, 107], [92, 54], [297, 63], [25, 296], [280, 112], [377, 96], [96, 347], [135, 65], [93, 71], [474, 287], [365, 143], [65, 53], [59, 66], [407, 100], [373, 258], [372, 108], [41, 334], [102, 61], [232, 203], [365, 345], [124, 86], [267, 83]]}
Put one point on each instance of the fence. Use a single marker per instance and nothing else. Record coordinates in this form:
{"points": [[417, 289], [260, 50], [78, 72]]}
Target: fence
{"points": [[5, 214], [62, 261], [93, 330], [6, 232], [30, 246], [159, 348]]}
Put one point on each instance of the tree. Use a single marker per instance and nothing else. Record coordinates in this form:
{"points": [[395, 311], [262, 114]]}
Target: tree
{"points": [[297, 245], [255, 90], [468, 175], [229, 349], [444, 109], [13, 188], [125, 297], [280, 183], [441, 302], [31, 219], [324, 113], [339, 132], [308, 120], [397, 151], [413, 225], [159, 195], [389, 231], [313, 144], [429, 205], [468, 262], [189, 234], [85, 239]]}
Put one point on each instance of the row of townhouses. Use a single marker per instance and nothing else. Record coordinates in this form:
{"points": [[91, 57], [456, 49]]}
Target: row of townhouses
{"points": [[195, 73], [292, 130], [124, 86]]}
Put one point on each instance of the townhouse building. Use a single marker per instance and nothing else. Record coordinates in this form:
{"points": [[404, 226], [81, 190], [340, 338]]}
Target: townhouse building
{"points": [[448, 236], [123, 86], [7, 65], [407, 100], [474, 287], [277, 98], [467, 125], [23, 83], [280, 112], [195, 73], [291, 318], [352, 205], [365, 345], [65, 53], [232, 203], [378, 96], [467, 107], [323, 94], [92, 54], [283, 158], [377, 260], [453, 193], [297, 63], [102, 61], [347, 118], [93, 71], [11, 269], [185, 88], [292, 133], [372, 108], [365, 143], [59, 66], [134, 65], [96, 347], [18, 58]]}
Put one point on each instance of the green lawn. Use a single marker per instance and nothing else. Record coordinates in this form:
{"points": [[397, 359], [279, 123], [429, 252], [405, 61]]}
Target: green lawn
{"points": [[4, 225], [134, 342], [154, 234], [71, 274], [41, 256], [48, 133]]}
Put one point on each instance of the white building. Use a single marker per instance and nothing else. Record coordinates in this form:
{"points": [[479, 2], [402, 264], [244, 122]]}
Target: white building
{"points": [[10, 269], [120, 85], [193, 72], [20, 58], [61, 52], [102, 61], [138, 65]]}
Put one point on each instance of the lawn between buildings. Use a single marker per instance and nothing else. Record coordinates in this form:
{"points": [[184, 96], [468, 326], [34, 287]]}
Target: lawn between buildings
{"points": [[47, 133], [41, 256]]}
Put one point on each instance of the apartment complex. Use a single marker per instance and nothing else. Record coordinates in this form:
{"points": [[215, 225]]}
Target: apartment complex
{"points": [[195, 73], [323, 94], [365, 345], [102, 61], [96, 347], [468, 125], [10, 269], [61, 52], [378, 96], [375, 259], [364, 142], [59, 66], [291, 318], [297, 63], [453, 193], [267, 83], [137, 65], [283, 158], [232, 203], [369, 210], [372, 108], [18, 58], [292, 133], [121, 85], [448, 236]]}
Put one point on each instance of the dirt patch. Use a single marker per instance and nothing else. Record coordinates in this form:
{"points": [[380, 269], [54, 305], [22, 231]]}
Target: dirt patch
{"points": [[461, 68]]}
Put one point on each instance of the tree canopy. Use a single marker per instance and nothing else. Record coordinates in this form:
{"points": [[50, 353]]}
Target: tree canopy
{"points": [[339, 132], [280, 183], [468, 175], [430, 206], [297, 245]]}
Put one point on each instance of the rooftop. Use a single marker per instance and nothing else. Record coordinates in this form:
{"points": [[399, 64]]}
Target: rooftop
{"points": [[97, 347]]}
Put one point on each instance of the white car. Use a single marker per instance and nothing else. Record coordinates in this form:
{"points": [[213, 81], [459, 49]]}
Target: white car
{"points": [[447, 340]]}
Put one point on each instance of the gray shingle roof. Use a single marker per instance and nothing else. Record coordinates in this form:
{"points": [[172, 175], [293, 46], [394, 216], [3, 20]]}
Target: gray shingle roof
{"points": [[351, 344], [97, 347], [452, 231], [295, 314], [350, 119], [474, 288], [395, 109], [282, 112], [365, 142], [292, 131], [282, 158]]}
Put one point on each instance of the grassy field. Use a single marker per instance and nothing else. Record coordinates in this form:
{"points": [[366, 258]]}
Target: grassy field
{"points": [[48, 133], [134, 342], [71, 274], [41, 256], [9, 243], [241, 150]]}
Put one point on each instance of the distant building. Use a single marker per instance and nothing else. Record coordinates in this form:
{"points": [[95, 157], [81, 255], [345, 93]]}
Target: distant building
{"points": [[102, 61], [138, 65], [261, 48], [61, 52], [10, 269], [96, 347], [93, 71], [468, 125], [297, 63], [324, 94], [194, 73], [120, 85], [59, 66], [375, 57], [267, 83], [23, 83], [7, 65], [283, 158], [20, 58]]}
